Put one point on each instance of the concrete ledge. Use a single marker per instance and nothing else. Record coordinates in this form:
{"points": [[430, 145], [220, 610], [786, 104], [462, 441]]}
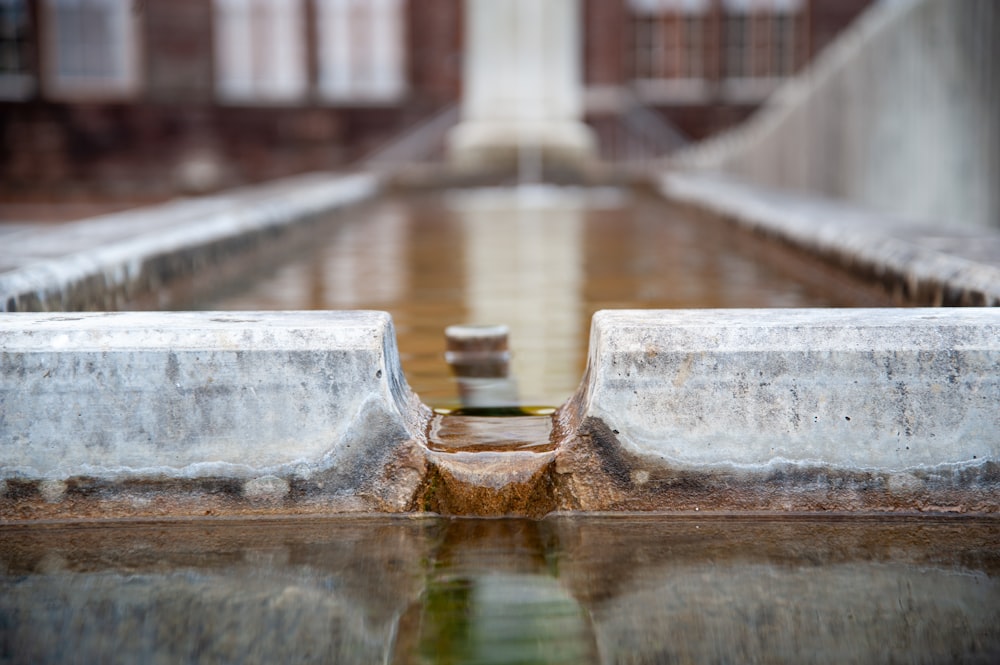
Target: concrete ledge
{"points": [[99, 263], [169, 413], [897, 114], [787, 410], [166, 414], [918, 266]]}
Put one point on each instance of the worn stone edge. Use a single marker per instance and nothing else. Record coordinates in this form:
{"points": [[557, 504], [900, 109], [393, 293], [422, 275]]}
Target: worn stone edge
{"points": [[595, 470], [843, 234], [385, 482], [204, 228]]}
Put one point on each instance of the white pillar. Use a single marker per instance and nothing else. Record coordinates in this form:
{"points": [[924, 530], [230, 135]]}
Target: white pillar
{"points": [[522, 84]]}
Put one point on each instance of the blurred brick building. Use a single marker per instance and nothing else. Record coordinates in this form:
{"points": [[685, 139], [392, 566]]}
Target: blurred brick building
{"points": [[132, 99], [703, 65]]}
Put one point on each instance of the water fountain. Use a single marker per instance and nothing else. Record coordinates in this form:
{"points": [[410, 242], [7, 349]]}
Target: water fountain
{"points": [[780, 485]]}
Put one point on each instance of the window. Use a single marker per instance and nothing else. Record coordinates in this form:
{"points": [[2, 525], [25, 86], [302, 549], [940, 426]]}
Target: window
{"points": [[737, 41], [90, 47], [361, 51], [644, 53], [16, 81], [760, 38], [784, 53], [669, 39], [694, 46], [259, 51]]}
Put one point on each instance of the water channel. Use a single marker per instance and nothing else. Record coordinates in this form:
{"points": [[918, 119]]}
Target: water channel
{"points": [[538, 259], [563, 589]]}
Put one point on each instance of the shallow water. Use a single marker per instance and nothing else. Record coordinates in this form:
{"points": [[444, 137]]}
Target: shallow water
{"points": [[622, 589], [541, 260]]}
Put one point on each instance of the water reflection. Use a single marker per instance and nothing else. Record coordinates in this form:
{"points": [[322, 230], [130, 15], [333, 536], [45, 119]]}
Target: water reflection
{"points": [[564, 589], [541, 260], [523, 268], [492, 596], [350, 277]]}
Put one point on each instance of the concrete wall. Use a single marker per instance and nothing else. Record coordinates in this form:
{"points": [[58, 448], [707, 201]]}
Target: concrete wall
{"points": [[901, 114], [787, 410], [172, 413], [104, 263], [146, 414]]}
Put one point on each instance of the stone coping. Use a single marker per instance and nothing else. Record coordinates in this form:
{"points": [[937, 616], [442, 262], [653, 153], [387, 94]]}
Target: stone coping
{"points": [[151, 414], [142, 412], [918, 265], [814, 409], [98, 263]]}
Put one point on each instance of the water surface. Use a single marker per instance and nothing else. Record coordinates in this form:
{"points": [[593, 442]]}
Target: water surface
{"points": [[580, 589], [541, 260]]}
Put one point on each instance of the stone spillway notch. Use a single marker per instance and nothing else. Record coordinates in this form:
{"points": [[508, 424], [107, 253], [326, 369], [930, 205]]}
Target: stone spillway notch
{"points": [[489, 465], [171, 414]]}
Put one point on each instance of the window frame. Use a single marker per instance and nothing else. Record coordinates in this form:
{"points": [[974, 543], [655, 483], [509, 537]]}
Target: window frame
{"points": [[668, 50], [243, 73], [19, 84], [757, 77], [126, 52], [337, 83], [766, 25]]}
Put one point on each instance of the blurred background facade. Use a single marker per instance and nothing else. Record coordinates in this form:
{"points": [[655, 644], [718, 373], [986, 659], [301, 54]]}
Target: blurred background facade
{"points": [[144, 99]]}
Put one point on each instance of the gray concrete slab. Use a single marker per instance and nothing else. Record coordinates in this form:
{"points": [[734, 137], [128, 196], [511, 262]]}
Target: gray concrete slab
{"points": [[132, 413], [892, 409]]}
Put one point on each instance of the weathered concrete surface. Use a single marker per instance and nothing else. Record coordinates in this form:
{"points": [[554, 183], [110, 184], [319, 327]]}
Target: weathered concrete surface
{"points": [[146, 414], [100, 263], [489, 466], [901, 115], [920, 265], [174, 413], [786, 410]]}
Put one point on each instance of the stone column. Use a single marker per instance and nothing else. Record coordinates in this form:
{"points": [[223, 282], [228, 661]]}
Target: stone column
{"points": [[522, 85]]}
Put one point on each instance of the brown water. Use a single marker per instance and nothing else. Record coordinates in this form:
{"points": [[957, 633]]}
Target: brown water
{"points": [[541, 261], [621, 589]]}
